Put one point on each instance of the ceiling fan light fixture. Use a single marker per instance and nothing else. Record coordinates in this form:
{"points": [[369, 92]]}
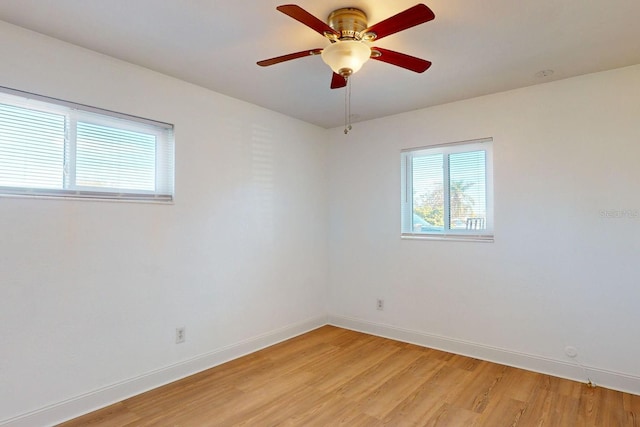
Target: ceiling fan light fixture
{"points": [[346, 57]]}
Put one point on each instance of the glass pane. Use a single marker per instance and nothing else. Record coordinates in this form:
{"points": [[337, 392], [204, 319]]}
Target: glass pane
{"points": [[468, 199], [108, 157], [428, 194], [31, 148]]}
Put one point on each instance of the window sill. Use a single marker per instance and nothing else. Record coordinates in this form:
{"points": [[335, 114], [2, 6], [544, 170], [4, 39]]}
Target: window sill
{"points": [[449, 237], [95, 196]]}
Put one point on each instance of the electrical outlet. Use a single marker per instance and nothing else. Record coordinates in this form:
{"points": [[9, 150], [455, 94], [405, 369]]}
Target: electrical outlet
{"points": [[380, 304], [180, 335]]}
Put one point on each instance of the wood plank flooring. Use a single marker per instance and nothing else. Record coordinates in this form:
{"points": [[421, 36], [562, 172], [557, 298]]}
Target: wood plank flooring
{"points": [[337, 377]]}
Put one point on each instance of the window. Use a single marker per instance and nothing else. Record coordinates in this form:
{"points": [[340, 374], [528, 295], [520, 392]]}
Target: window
{"points": [[55, 148], [447, 191]]}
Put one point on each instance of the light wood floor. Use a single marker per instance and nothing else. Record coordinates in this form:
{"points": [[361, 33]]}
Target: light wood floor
{"points": [[332, 377]]}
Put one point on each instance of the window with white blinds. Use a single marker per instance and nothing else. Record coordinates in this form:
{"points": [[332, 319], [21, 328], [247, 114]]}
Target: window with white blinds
{"points": [[54, 148], [447, 191]]}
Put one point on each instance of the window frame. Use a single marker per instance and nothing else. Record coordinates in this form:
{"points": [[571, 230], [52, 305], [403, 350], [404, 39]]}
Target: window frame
{"points": [[164, 152], [407, 197]]}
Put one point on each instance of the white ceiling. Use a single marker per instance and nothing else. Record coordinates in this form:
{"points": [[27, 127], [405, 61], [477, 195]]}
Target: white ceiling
{"points": [[477, 47]]}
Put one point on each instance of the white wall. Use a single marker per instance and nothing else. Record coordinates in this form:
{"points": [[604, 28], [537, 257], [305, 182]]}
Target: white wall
{"points": [[558, 273], [91, 292]]}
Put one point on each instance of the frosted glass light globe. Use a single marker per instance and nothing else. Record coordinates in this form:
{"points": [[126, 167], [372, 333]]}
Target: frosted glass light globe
{"points": [[346, 57]]}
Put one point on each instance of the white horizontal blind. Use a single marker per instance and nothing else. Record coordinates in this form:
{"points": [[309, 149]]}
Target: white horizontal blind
{"points": [[448, 191], [428, 190], [467, 190], [31, 147], [113, 158], [59, 149]]}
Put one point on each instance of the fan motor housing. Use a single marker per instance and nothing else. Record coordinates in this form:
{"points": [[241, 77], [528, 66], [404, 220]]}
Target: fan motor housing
{"points": [[349, 22]]}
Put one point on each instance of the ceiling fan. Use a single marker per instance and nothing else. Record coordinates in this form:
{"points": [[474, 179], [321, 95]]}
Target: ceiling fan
{"points": [[351, 40]]}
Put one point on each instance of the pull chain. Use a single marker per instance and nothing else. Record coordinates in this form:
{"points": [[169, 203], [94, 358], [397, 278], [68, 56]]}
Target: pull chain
{"points": [[347, 106]]}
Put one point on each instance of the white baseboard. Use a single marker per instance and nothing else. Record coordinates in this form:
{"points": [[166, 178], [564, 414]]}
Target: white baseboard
{"points": [[88, 402], [558, 368]]}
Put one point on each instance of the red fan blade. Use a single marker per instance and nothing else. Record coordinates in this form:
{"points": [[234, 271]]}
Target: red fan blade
{"points": [[301, 15], [401, 60], [411, 17], [278, 59], [337, 81]]}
